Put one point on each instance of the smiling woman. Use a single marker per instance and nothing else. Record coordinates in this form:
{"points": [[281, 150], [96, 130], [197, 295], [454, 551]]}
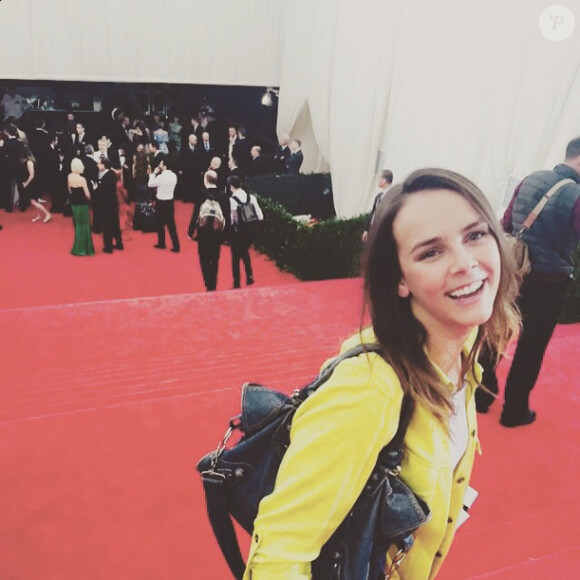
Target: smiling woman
{"points": [[438, 283], [438, 251]]}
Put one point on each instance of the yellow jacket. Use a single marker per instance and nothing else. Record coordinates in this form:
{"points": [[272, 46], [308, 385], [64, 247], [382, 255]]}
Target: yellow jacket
{"points": [[336, 436]]}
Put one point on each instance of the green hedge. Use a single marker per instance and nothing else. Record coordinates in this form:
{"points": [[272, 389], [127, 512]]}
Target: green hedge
{"points": [[329, 249], [332, 248]]}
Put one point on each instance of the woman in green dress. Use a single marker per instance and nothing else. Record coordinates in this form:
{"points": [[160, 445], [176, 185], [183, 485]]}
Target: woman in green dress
{"points": [[80, 197]]}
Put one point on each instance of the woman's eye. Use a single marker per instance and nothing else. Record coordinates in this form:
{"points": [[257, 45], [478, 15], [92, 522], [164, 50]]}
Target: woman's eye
{"points": [[476, 235], [431, 253]]}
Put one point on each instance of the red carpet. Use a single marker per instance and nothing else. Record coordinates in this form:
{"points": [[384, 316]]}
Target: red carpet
{"points": [[106, 406], [38, 268]]}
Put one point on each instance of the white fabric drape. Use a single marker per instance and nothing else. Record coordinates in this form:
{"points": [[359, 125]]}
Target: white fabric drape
{"points": [[196, 41], [470, 86], [473, 87]]}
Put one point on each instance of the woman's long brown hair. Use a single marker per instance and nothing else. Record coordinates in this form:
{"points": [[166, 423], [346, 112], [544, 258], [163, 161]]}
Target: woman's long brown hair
{"points": [[401, 336]]}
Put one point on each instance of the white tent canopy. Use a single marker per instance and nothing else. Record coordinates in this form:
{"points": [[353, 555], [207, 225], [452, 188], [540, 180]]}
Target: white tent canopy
{"points": [[475, 87]]}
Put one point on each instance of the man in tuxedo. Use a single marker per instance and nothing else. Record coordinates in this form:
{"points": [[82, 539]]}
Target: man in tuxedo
{"points": [[79, 140], [39, 142], [107, 193], [232, 139], [385, 181], [54, 183], [155, 156], [259, 164], [241, 150], [192, 166], [294, 161], [10, 162], [207, 148], [194, 127], [235, 170], [282, 153]]}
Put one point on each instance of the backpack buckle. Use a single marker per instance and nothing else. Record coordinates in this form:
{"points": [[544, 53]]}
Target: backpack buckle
{"points": [[235, 423]]}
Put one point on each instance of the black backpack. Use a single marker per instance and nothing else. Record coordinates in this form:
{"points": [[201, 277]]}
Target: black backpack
{"points": [[235, 479], [247, 216]]}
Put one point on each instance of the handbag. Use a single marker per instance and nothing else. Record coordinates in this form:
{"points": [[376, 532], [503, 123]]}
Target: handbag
{"points": [[517, 246], [235, 479]]}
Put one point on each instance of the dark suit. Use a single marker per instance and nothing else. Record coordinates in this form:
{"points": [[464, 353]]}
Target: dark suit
{"points": [[78, 144], [155, 160], [209, 241], [193, 166], [10, 166], [189, 130], [280, 158], [113, 156], [207, 153], [238, 173], [258, 166], [91, 174], [54, 183], [39, 143], [109, 204], [294, 162], [242, 155]]}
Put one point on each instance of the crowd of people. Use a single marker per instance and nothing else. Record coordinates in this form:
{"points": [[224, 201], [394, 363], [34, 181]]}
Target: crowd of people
{"points": [[128, 175]]}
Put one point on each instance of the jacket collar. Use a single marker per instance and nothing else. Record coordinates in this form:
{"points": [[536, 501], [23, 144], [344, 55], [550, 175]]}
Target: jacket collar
{"points": [[565, 171]]}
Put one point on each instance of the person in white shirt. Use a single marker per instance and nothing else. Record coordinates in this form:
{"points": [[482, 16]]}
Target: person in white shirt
{"points": [[241, 234], [165, 180]]}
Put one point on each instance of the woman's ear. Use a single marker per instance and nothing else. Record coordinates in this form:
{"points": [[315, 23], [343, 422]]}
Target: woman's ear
{"points": [[403, 289]]}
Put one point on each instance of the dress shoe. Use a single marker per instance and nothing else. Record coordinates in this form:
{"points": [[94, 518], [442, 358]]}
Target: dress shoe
{"points": [[175, 250], [508, 420], [250, 280], [119, 247], [108, 250], [159, 247]]}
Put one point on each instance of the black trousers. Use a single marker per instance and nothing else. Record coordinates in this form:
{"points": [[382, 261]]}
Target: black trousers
{"points": [[165, 213], [209, 257], [483, 399], [6, 189], [540, 303], [111, 228], [97, 208], [240, 246]]}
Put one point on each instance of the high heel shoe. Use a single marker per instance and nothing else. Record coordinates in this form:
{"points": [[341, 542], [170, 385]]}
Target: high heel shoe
{"points": [[47, 219], [36, 219]]}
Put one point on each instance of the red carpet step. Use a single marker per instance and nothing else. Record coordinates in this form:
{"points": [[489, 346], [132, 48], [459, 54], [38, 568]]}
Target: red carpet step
{"points": [[106, 407]]}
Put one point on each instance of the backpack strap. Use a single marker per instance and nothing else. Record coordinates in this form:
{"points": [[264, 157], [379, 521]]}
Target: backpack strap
{"points": [[238, 199], [327, 371], [221, 522], [541, 204]]}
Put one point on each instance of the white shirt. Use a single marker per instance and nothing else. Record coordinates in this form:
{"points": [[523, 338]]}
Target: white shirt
{"points": [[243, 197], [165, 183], [458, 428]]}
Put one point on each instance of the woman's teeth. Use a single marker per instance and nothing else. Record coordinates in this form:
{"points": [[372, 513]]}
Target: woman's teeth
{"points": [[467, 290]]}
